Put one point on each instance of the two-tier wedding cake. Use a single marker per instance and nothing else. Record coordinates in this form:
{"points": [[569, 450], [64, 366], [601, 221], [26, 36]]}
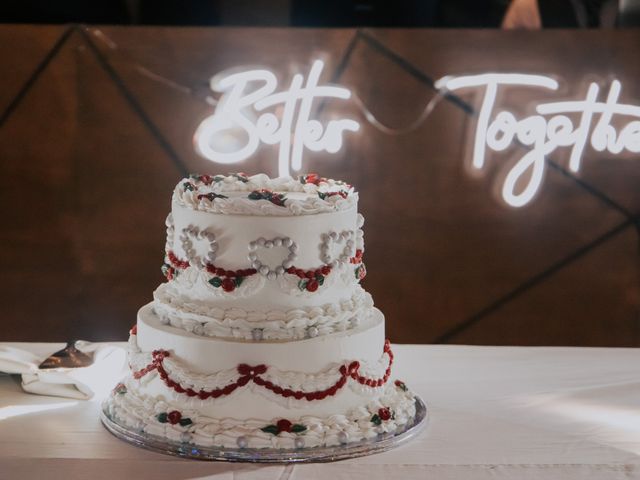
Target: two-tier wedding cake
{"points": [[262, 335]]}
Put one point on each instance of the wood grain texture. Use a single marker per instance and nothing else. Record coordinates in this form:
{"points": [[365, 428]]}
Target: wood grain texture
{"points": [[18, 66], [85, 181]]}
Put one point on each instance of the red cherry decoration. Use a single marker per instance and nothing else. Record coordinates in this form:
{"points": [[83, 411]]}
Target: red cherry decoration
{"points": [[228, 285], [384, 413], [284, 425], [174, 417], [312, 285]]}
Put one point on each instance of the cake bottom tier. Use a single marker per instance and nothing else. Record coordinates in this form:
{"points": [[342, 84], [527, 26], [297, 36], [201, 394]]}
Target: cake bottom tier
{"points": [[324, 391]]}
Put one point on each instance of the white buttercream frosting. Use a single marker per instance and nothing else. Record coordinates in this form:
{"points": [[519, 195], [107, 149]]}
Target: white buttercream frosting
{"points": [[232, 195], [235, 322], [290, 379], [141, 411], [241, 252], [275, 243]]}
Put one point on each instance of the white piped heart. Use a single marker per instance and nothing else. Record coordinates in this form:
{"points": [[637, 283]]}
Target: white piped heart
{"points": [[263, 244], [193, 233], [327, 247]]}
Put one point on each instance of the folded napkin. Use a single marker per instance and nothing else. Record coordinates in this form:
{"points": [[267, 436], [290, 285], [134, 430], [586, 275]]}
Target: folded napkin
{"points": [[82, 383]]}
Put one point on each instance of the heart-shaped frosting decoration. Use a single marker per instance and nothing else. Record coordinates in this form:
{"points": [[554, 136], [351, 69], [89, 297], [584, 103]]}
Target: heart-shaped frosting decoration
{"points": [[193, 233], [327, 249], [266, 270]]}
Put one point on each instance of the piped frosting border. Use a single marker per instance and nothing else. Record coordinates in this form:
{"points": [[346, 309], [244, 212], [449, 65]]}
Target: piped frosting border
{"points": [[164, 418], [240, 194], [235, 322]]}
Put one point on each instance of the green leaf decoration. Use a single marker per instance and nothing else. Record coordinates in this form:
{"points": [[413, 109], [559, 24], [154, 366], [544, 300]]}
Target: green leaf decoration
{"points": [[275, 198], [376, 420], [211, 196], [302, 285], [216, 281], [297, 428], [187, 186], [270, 429], [320, 279], [239, 281], [162, 417], [185, 421], [322, 195]]}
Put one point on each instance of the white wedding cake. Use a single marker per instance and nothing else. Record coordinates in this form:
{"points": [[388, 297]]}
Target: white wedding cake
{"points": [[262, 335]]}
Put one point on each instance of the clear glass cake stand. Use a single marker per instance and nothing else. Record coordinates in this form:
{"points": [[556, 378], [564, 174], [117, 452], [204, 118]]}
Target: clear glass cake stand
{"points": [[381, 443]]}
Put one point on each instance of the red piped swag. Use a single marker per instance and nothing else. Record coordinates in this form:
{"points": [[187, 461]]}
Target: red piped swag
{"points": [[229, 280], [250, 373]]}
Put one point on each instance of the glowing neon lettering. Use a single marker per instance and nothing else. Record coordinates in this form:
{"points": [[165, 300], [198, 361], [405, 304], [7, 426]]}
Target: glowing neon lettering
{"points": [[543, 136], [235, 116]]}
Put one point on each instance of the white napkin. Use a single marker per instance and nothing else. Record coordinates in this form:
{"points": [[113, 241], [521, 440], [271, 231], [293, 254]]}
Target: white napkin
{"points": [[79, 383]]}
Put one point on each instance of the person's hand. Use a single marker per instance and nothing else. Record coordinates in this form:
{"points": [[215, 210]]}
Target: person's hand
{"points": [[522, 14]]}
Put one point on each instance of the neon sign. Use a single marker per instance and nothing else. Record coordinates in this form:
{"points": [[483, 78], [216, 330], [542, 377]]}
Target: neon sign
{"points": [[544, 135], [236, 111]]}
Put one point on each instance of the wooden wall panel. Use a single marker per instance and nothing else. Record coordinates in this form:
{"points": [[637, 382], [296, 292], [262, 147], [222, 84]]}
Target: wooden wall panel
{"points": [[566, 308], [92, 151], [21, 50]]}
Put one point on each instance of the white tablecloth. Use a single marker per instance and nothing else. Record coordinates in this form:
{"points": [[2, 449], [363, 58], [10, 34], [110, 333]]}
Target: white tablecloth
{"points": [[496, 412]]}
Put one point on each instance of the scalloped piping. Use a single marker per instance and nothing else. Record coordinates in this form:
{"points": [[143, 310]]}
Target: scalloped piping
{"points": [[362, 379], [140, 411], [235, 322], [310, 205]]}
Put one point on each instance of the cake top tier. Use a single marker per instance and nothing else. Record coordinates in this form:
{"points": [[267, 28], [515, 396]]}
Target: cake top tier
{"points": [[240, 194]]}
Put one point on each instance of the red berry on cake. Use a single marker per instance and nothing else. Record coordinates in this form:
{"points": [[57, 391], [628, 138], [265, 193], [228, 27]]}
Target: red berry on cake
{"points": [[284, 425], [312, 285], [384, 413], [228, 285], [174, 417]]}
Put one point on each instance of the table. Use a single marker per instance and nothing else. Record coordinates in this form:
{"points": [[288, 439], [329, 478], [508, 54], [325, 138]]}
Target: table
{"points": [[496, 412]]}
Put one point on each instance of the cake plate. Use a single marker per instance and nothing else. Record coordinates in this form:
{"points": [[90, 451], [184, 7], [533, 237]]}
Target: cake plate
{"points": [[381, 443]]}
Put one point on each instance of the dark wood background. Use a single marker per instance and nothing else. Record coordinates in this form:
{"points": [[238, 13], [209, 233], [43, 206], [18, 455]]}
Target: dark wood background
{"points": [[96, 130]]}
